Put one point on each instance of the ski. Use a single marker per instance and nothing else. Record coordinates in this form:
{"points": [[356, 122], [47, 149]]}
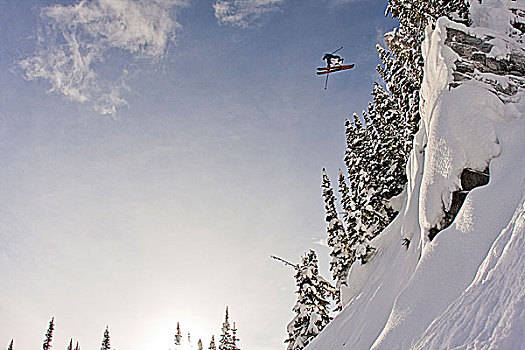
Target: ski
{"points": [[345, 66], [325, 70]]}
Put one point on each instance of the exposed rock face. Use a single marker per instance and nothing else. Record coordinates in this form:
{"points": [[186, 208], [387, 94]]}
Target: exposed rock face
{"points": [[518, 23], [470, 179], [480, 59], [476, 62]]}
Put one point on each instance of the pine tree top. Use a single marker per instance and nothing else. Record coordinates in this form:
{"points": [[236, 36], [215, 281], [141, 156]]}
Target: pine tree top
{"points": [[212, 343], [49, 335], [178, 335], [106, 345]]}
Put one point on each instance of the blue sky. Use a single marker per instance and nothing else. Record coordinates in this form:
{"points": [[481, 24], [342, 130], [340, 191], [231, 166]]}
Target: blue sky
{"points": [[149, 172]]}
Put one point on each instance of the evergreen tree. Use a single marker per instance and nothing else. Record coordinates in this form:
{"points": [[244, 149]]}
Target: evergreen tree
{"points": [[212, 343], [178, 336], [346, 201], [77, 347], [11, 345], [338, 239], [106, 341], [49, 335], [234, 337], [361, 164], [199, 345], [226, 342], [312, 307], [70, 346], [352, 218]]}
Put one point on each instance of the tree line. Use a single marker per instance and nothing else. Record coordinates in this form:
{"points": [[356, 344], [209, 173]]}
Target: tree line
{"points": [[228, 338], [48, 339]]}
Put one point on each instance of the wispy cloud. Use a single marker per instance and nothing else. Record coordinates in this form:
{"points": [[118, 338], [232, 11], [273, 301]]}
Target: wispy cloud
{"points": [[244, 13], [74, 41]]}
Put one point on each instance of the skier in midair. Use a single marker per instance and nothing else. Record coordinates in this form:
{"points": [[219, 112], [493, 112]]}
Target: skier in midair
{"points": [[332, 59], [334, 63]]}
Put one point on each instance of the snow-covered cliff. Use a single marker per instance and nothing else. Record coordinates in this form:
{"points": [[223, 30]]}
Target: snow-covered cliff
{"points": [[460, 283]]}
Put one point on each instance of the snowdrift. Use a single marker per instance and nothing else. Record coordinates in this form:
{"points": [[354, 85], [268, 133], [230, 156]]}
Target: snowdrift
{"points": [[461, 281]]}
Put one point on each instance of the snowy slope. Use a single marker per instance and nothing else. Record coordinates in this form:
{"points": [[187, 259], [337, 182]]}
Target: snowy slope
{"points": [[465, 289], [490, 314]]}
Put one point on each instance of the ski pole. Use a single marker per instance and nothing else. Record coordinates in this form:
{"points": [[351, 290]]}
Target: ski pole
{"points": [[337, 50], [326, 81]]}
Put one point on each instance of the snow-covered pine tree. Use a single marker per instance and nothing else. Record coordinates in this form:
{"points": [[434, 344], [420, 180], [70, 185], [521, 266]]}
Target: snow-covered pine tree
{"points": [[353, 220], [11, 345], [199, 345], [356, 156], [312, 307], [369, 165], [49, 335], [350, 155], [347, 204], [178, 335], [350, 198], [359, 147], [226, 342], [106, 340], [361, 166], [338, 239], [212, 343], [392, 150]]}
